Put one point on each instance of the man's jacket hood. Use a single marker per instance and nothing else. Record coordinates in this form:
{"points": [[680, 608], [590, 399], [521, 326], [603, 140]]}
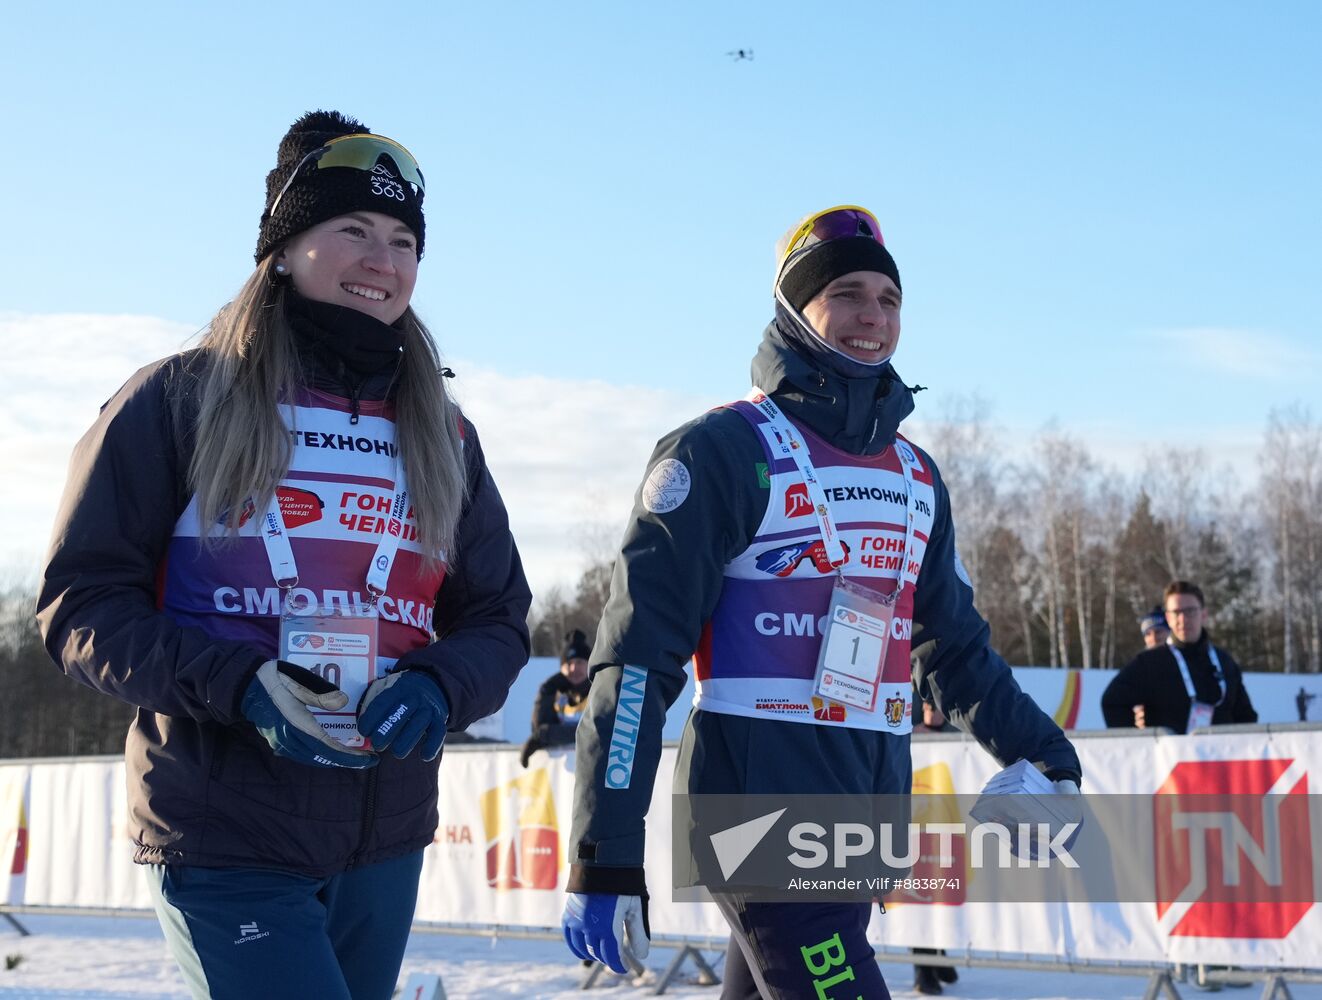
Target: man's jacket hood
{"points": [[857, 415]]}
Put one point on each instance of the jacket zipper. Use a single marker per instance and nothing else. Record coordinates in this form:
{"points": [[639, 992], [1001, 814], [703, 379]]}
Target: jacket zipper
{"points": [[354, 392]]}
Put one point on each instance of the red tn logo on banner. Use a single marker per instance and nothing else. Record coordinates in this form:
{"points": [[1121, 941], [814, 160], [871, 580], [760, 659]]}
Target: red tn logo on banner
{"points": [[1233, 849]]}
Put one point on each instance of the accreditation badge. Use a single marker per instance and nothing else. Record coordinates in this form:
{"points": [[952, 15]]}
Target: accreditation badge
{"points": [[340, 646], [858, 629], [1200, 716]]}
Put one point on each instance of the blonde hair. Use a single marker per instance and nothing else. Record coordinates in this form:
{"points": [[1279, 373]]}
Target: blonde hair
{"points": [[243, 447]]}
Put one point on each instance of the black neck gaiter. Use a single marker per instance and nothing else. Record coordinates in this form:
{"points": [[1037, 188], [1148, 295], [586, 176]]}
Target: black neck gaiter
{"points": [[365, 345]]}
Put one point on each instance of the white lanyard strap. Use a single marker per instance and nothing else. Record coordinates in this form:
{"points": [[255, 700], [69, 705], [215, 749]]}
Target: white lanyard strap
{"points": [[791, 448], [1184, 671], [281, 554], [383, 559], [278, 549]]}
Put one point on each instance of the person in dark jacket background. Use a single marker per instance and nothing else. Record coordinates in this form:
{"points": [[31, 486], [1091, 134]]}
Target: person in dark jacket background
{"points": [[745, 520], [560, 699], [286, 550], [1154, 629], [1188, 683]]}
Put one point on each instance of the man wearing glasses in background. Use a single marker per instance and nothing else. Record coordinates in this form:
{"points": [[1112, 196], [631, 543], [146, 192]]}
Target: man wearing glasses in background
{"points": [[1184, 685], [759, 527]]}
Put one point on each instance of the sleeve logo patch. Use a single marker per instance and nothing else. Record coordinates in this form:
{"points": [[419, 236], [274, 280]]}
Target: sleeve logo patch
{"points": [[667, 486]]}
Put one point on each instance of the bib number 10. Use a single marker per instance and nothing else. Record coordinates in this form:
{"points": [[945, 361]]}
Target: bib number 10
{"points": [[329, 672]]}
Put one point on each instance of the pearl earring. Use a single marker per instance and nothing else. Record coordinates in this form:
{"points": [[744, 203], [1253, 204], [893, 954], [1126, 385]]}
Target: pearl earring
{"points": [[281, 269]]}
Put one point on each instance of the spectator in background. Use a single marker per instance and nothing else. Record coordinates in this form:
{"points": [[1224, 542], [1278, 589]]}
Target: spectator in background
{"points": [[1153, 627], [560, 699], [1184, 685], [1301, 701], [931, 719]]}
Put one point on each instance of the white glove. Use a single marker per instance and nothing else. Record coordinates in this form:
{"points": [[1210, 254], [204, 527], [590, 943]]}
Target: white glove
{"points": [[1021, 794]]}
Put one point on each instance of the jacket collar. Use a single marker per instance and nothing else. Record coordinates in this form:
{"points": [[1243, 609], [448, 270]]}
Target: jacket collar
{"points": [[1200, 644], [857, 415]]}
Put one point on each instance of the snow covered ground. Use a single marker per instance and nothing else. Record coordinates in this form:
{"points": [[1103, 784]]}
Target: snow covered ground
{"points": [[124, 958]]}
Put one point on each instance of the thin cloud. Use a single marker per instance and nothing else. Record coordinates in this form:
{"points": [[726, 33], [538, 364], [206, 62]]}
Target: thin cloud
{"points": [[58, 369], [567, 454], [1247, 353]]}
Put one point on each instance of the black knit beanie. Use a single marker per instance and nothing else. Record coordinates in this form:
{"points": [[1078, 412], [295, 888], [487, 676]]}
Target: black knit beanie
{"points": [[576, 647], [318, 194], [808, 271]]}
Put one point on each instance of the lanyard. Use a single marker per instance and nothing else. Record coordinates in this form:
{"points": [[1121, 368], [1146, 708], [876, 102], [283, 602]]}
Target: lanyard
{"points": [[1188, 681], [791, 448], [281, 554]]}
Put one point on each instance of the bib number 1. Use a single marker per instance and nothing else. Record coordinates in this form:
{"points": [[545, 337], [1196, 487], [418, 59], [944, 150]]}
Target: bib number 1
{"points": [[853, 649]]}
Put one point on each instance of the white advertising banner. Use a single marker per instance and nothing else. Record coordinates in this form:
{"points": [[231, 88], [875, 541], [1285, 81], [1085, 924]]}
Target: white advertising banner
{"points": [[501, 850], [79, 853], [1234, 849], [500, 854]]}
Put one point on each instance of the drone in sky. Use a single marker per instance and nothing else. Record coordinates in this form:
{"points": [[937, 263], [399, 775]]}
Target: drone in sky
{"points": [[741, 54]]}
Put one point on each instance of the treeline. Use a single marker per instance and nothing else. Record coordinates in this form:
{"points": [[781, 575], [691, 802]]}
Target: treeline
{"points": [[1066, 552], [45, 713]]}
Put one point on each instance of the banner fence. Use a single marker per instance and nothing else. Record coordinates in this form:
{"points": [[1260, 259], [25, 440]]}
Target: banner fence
{"points": [[499, 856]]}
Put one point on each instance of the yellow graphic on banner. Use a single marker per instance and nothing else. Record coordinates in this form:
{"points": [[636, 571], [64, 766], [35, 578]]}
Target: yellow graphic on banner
{"points": [[522, 836], [1067, 712], [936, 805]]}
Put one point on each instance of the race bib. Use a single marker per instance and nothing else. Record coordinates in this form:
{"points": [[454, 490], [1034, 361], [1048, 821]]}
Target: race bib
{"points": [[854, 645], [339, 646]]}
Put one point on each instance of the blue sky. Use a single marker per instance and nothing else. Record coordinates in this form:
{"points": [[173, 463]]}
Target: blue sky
{"points": [[1104, 215]]}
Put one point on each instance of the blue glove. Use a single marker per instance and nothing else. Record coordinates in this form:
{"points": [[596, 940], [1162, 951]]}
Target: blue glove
{"points": [[399, 710], [277, 703], [595, 923]]}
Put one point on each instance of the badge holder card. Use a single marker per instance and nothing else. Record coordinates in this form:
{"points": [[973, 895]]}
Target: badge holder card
{"points": [[1200, 716], [340, 646], [1200, 712], [853, 650]]}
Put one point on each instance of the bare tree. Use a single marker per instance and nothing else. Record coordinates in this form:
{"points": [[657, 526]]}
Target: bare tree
{"points": [[1291, 486], [1060, 478], [966, 447], [1178, 481]]}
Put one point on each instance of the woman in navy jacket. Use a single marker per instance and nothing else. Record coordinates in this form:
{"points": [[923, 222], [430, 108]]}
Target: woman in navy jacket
{"points": [[286, 550]]}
